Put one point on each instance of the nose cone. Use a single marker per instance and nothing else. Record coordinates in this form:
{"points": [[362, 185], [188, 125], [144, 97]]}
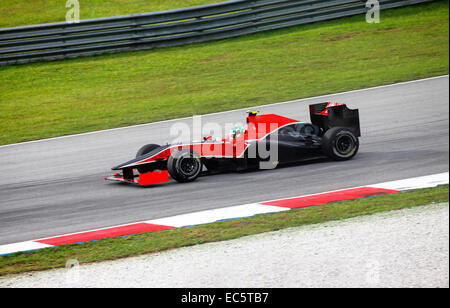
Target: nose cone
{"points": [[139, 160]]}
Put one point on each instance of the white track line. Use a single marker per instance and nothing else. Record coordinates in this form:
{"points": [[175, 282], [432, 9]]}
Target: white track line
{"points": [[416, 183], [209, 216], [22, 246]]}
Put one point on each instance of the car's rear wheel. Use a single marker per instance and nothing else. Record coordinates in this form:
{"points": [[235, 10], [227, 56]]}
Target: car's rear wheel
{"points": [[145, 150], [184, 165], [340, 143]]}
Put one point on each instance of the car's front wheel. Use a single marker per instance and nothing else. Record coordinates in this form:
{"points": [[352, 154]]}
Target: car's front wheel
{"points": [[184, 165]]}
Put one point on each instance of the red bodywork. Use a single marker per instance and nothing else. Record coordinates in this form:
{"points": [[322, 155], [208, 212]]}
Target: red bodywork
{"points": [[325, 110], [258, 127], [144, 178]]}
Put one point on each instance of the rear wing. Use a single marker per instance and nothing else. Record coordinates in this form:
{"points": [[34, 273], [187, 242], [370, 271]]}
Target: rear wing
{"points": [[328, 115]]}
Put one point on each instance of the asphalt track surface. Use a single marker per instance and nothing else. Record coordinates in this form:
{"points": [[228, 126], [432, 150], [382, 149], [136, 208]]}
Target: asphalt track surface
{"points": [[55, 186]]}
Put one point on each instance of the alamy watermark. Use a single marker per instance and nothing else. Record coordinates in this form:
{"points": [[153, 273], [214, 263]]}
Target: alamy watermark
{"points": [[373, 272], [372, 15], [72, 272], [73, 14], [231, 140], [373, 12]]}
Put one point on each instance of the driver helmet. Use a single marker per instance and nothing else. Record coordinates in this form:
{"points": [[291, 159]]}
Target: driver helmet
{"points": [[237, 131]]}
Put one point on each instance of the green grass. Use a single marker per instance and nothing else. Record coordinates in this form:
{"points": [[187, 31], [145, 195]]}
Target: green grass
{"points": [[43, 100], [14, 13], [120, 247]]}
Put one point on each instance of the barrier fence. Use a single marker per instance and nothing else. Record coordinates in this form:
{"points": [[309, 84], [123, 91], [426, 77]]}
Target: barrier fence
{"points": [[171, 28]]}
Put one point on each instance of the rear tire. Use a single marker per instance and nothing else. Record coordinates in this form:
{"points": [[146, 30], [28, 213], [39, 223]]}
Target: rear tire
{"points": [[145, 150], [340, 143], [184, 165]]}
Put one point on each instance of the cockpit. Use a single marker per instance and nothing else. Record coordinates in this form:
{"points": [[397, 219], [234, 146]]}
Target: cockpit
{"points": [[238, 130]]}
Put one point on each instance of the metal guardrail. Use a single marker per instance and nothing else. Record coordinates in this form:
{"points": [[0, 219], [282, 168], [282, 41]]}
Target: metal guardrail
{"points": [[170, 28]]}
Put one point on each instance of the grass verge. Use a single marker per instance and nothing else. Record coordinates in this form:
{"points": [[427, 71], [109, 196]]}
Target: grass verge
{"points": [[42, 100], [21, 13], [120, 247]]}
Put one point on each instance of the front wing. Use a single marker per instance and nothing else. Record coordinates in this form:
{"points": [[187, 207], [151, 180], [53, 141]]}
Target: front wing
{"points": [[142, 179]]}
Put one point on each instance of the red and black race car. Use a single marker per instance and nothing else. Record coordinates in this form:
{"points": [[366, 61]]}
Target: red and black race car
{"points": [[267, 141]]}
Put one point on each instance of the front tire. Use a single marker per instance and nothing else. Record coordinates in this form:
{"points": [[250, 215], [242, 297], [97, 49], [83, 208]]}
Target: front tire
{"points": [[340, 143], [184, 165]]}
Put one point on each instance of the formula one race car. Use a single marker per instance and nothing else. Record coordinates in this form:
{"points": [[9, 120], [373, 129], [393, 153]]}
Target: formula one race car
{"points": [[267, 141]]}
